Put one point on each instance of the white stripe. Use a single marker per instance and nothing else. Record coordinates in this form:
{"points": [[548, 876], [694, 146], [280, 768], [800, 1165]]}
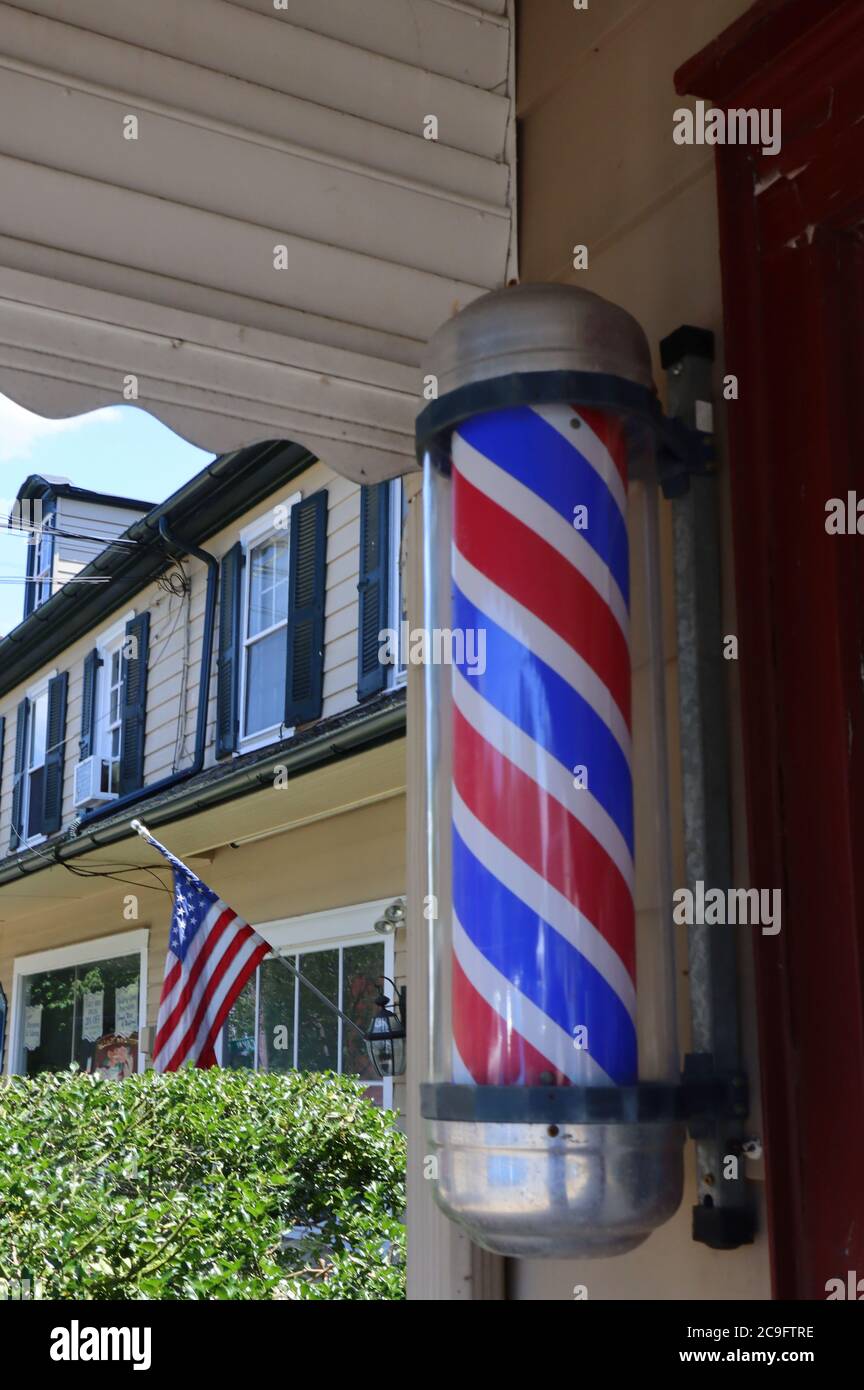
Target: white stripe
{"points": [[544, 899], [167, 1004], [226, 984], [543, 769], [589, 444], [533, 633], [174, 1038], [533, 512], [523, 1016]]}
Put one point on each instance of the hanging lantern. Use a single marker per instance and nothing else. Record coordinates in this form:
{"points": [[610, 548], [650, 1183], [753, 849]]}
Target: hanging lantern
{"points": [[551, 1100], [385, 1036]]}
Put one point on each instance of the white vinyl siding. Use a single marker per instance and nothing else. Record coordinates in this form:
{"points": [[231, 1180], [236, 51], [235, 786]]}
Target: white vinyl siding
{"points": [[176, 638]]}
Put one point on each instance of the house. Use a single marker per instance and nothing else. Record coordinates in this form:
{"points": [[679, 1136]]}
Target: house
{"points": [[374, 192], [230, 651]]}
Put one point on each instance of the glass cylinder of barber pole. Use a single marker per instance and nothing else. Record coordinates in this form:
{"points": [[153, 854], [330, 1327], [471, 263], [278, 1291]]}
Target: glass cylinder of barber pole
{"points": [[551, 969]]}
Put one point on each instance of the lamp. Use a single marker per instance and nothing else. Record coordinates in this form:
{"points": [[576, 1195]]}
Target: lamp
{"points": [[385, 1036], [394, 915], [553, 1098]]}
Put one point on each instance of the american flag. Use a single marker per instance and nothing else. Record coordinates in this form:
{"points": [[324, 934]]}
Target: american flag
{"points": [[211, 954]]}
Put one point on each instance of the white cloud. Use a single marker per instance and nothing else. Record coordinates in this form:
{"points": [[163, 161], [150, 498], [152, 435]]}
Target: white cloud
{"points": [[21, 431]]}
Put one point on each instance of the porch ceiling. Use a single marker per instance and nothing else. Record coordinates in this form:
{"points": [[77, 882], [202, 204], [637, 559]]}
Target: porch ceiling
{"points": [[300, 127], [374, 775]]}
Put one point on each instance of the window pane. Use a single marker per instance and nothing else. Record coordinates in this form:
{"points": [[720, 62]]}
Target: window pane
{"points": [[265, 682], [362, 968], [106, 1016], [276, 1018], [268, 585], [318, 1041], [89, 1015], [260, 588], [49, 1035], [38, 729], [239, 1037]]}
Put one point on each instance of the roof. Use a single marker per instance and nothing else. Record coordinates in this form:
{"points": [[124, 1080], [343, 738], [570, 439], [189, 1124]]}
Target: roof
{"points": [[226, 488], [40, 484], [362, 726]]}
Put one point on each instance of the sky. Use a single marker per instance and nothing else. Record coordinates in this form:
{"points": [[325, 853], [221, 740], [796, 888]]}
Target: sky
{"points": [[119, 449]]}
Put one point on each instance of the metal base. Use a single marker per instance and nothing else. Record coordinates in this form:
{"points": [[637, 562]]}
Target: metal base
{"points": [[536, 1190]]}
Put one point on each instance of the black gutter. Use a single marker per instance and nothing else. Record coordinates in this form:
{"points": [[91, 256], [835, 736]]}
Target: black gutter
{"points": [[164, 783], [359, 729], [229, 486]]}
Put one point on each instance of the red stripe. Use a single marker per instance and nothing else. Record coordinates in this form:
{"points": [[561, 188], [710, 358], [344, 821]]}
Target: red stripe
{"points": [[539, 577], [494, 1054], [223, 921], [610, 429], [208, 1050], [188, 1042], [543, 833]]}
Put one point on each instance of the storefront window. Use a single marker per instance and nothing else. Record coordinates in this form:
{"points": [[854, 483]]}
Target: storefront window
{"points": [[85, 1013], [279, 1024]]}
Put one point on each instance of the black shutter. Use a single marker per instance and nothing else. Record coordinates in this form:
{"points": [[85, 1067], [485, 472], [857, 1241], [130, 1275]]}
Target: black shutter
{"points": [[2, 745], [18, 832], [86, 745], [228, 665], [55, 747], [134, 703], [373, 587], [307, 572]]}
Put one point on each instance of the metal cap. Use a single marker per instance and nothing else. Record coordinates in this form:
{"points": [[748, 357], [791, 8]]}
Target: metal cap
{"points": [[537, 328]]}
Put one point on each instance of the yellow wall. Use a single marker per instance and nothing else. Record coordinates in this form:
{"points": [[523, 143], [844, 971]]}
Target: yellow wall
{"points": [[354, 857], [598, 167]]}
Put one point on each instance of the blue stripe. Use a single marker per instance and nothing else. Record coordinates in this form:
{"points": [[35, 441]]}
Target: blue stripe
{"points": [[546, 708], [542, 964], [528, 448]]}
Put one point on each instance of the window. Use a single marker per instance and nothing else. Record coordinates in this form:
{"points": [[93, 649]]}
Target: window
{"points": [[80, 1004], [279, 1024], [33, 786], [40, 556], [109, 727], [37, 783], [265, 624]]}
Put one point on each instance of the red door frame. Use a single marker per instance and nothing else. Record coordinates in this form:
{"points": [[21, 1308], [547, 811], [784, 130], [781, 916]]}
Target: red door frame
{"points": [[793, 295]]}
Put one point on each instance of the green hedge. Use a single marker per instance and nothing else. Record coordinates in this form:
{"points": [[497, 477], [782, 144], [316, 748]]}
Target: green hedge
{"points": [[181, 1187]]}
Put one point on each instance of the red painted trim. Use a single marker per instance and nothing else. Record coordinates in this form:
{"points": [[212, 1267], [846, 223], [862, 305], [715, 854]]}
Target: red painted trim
{"points": [[773, 38], [793, 291]]}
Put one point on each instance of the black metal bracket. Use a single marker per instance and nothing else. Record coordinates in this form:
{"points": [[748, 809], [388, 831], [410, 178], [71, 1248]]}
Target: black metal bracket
{"points": [[690, 449], [698, 1099], [682, 449]]}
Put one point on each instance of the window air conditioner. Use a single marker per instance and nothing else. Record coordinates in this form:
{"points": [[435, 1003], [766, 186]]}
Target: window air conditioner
{"points": [[91, 782]]}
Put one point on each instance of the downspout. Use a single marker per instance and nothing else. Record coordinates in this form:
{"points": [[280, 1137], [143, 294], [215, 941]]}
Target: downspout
{"points": [[143, 793]]}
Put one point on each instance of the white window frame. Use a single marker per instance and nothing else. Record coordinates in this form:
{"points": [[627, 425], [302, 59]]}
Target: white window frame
{"points": [[107, 643], [32, 693], [397, 675], [261, 529], [321, 931], [60, 958]]}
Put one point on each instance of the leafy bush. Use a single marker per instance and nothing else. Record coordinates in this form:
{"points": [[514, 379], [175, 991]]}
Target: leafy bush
{"points": [[182, 1186]]}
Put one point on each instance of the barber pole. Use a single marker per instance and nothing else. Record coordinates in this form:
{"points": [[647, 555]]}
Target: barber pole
{"points": [[543, 923], [535, 450]]}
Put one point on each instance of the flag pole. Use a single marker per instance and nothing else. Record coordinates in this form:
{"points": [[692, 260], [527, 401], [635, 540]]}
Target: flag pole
{"points": [[141, 829]]}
